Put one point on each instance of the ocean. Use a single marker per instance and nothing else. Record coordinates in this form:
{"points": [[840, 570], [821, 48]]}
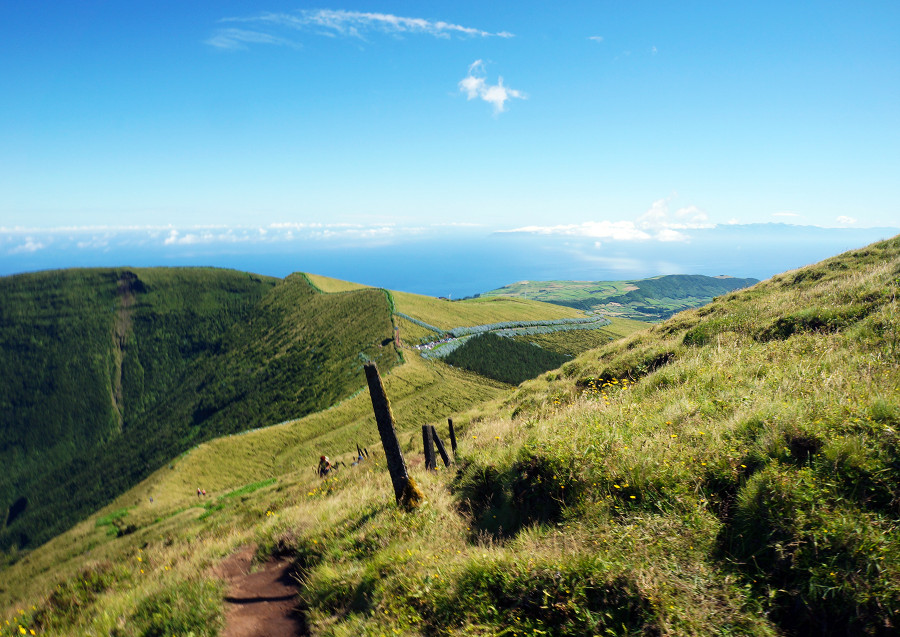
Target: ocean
{"points": [[461, 264]]}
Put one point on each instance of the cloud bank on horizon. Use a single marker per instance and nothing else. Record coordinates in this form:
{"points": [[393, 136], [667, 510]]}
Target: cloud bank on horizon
{"points": [[657, 224]]}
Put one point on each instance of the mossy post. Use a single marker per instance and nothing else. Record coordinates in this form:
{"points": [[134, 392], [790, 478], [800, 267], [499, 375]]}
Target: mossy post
{"points": [[428, 442], [405, 490], [452, 436], [440, 446]]}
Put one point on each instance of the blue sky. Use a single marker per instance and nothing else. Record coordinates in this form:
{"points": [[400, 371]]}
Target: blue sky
{"points": [[620, 121]]}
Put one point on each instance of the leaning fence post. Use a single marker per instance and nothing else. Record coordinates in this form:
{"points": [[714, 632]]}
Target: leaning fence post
{"points": [[452, 436], [428, 442], [405, 490], [440, 446]]}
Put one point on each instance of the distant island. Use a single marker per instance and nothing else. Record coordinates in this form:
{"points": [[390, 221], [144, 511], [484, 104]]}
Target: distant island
{"points": [[653, 299]]}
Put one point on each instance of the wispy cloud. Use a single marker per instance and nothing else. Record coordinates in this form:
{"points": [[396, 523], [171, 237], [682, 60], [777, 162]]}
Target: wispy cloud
{"points": [[475, 85], [596, 38], [845, 220], [240, 38], [270, 28], [657, 224]]}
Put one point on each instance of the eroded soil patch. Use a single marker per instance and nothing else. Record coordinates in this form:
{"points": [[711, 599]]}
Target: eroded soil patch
{"points": [[261, 602]]}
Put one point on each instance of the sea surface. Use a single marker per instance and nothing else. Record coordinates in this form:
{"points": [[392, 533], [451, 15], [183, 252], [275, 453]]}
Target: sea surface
{"points": [[467, 263]]}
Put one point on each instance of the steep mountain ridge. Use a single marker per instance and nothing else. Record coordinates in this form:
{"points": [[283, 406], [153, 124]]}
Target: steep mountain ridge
{"points": [[109, 373]]}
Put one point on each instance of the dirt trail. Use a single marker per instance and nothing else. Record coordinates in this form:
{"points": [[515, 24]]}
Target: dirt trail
{"points": [[261, 603]]}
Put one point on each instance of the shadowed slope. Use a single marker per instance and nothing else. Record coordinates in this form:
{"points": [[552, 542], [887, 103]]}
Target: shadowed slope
{"points": [[173, 358]]}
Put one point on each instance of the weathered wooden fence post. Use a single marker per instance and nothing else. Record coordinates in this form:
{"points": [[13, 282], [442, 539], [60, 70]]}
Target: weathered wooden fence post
{"points": [[452, 436], [428, 442], [440, 446], [405, 489]]}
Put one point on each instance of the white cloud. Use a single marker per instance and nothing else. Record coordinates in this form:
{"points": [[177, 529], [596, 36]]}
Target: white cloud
{"points": [[456, 224], [239, 39], [94, 243], [653, 50], [596, 38], [337, 22], [657, 217], [615, 230], [667, 234], [845, 220], [474, 85], [693, 217], [294, 225], [655, 224], [30, 245]]}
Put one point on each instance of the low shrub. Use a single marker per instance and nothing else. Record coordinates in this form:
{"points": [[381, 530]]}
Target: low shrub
{"points": [[577, 597], [192, 607], [72, 599]]}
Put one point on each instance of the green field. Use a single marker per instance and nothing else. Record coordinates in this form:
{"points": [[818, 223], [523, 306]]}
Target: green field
{"points": [[650, 299]]}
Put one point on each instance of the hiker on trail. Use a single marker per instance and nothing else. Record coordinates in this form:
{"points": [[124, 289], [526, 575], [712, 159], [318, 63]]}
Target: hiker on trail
{"points": [[324, 466], [199, 492]]}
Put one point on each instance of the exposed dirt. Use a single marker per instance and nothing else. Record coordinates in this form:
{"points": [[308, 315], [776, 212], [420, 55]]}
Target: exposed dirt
{"points": [[260, 603]]}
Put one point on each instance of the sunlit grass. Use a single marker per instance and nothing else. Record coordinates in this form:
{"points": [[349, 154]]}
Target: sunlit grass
{"points": [[712, 475]]}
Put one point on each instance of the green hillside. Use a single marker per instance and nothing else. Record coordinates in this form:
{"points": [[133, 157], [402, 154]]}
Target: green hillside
{"points": [[652, 299], [109, 373], [733, 470], [504, 359]]}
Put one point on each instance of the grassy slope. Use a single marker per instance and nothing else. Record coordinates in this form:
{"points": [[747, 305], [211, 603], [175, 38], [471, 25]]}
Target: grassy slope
{"points": [[575, 342], [751, 465], [733, 470], [85, 355], [504, 359], [449, 314], [202, 357], [329, 285], [421, 392], [650, 299]]}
